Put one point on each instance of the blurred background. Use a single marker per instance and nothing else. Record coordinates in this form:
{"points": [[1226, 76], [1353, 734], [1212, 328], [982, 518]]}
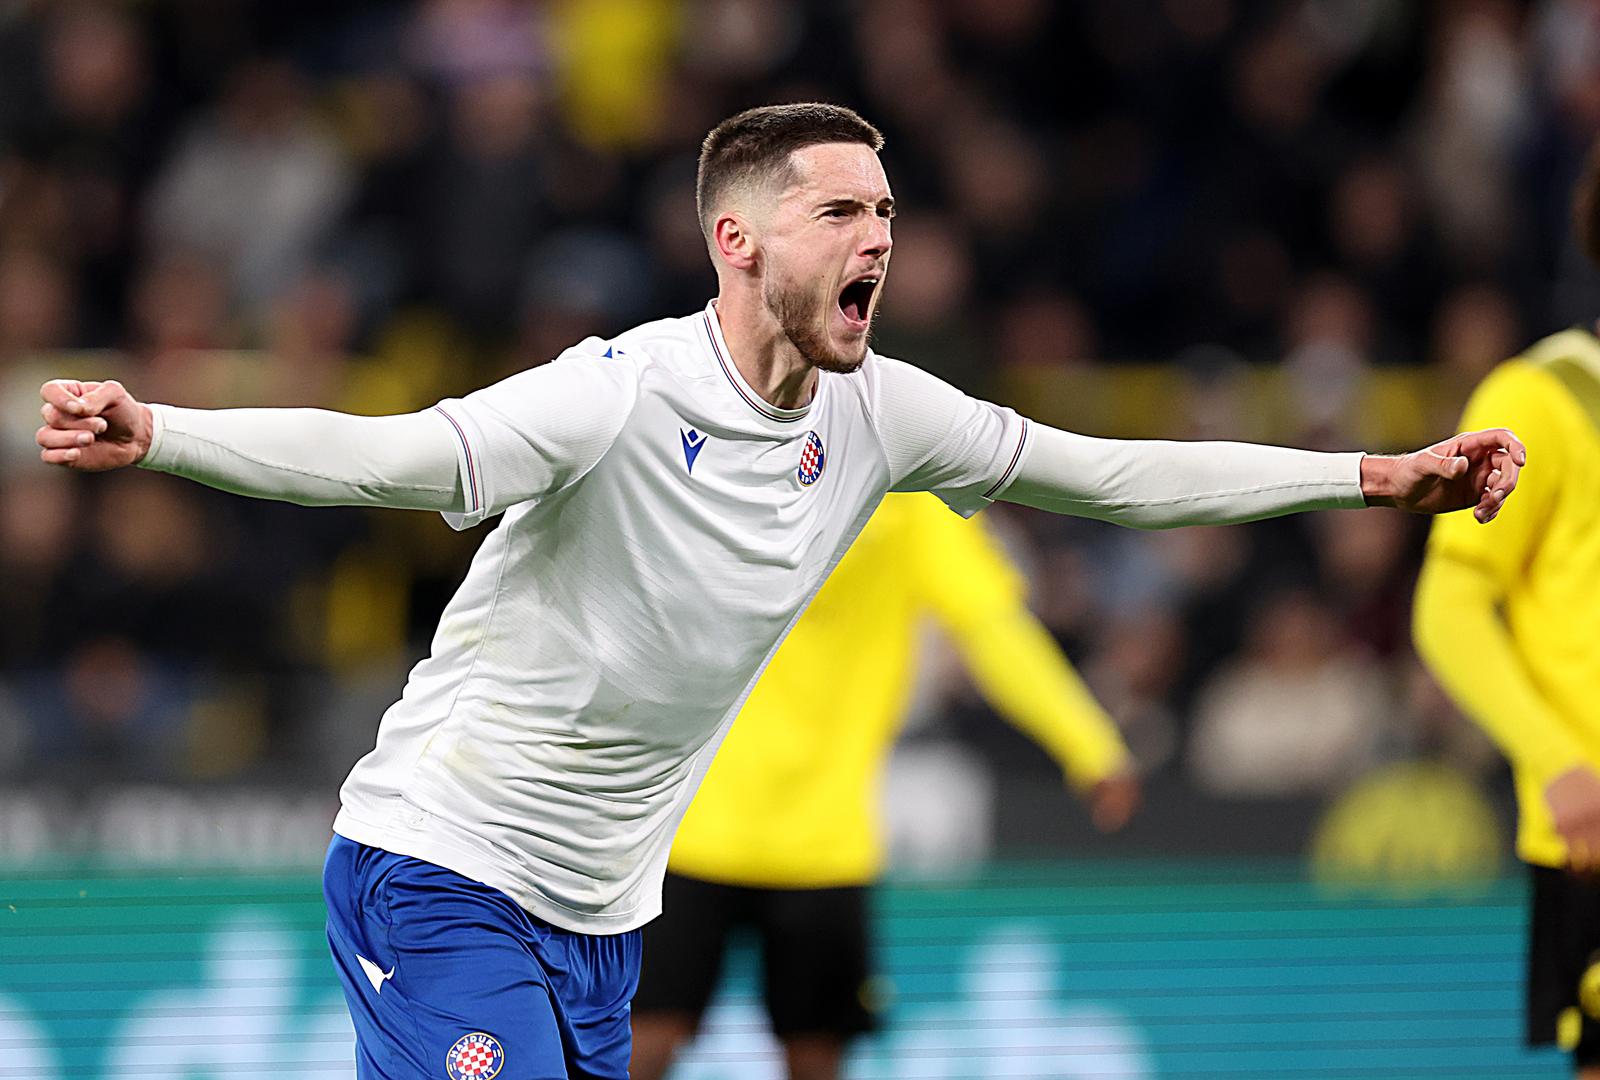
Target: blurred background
{"points": [[1316, 222]]}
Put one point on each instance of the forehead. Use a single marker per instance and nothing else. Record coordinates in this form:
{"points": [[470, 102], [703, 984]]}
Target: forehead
{"points": [[837, 170]]}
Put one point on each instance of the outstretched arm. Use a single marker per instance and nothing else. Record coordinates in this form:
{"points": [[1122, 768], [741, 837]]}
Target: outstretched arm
{"points": [[1468, 617], [1021, 671], [976, 593], [1462, 635], [1160, 485], [307, 456], [516, 441]]}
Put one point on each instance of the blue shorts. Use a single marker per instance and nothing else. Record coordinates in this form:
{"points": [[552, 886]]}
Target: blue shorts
{"points": [[447, 977]]}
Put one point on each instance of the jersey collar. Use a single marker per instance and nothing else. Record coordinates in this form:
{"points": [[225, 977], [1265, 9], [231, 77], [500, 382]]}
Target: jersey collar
{"points": [[719, 348]]}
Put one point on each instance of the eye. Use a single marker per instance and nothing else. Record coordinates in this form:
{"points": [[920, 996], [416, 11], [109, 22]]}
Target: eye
{"points": [[838, 213]]}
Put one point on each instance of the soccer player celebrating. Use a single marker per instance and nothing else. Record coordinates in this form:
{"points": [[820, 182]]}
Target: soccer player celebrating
{"points": [[672, 498], [782, 836], [1524, 593]]}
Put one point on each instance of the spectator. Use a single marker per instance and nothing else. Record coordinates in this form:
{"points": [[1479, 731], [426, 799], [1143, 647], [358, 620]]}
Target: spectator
{"points": [[1344, 201], [254, 184], [1302, 712]]}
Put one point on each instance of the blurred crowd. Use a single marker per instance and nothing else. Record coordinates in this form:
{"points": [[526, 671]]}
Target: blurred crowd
{"points": [[1216, 218]]}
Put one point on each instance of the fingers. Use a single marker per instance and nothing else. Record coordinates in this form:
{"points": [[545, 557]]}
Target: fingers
{"points": [[1489, 440], [1584, 847], [1509, 469], [66, 457], [72, 420], [1500, 483], [55, 418], [1583, 844], [1492, 498], [1114, 801], [1448, 466], [1489, 499], [1513, 445], [1496, 443], [51, 438], [101, 396], [1580, 853], [1506, 455], [59, 446], [81, 399], [66, 395], [70, 423]]}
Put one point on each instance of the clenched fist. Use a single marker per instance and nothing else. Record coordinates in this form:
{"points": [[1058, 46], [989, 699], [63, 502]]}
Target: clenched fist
{"points": [[92, 426]]}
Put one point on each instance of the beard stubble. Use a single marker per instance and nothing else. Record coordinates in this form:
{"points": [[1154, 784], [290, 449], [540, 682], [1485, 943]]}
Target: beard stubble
{"points": [[798, 318]]}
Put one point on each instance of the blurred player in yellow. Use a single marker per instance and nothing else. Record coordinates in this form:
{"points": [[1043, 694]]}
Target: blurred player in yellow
{"points": [[1525, 591], [783, 835]]}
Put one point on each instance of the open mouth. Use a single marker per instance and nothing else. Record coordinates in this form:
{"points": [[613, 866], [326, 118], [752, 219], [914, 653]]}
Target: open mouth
{"points": [[855, 300]]}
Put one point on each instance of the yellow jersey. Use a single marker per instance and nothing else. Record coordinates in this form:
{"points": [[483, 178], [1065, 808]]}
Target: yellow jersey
{"points": [[1508, 614], [791, 799]]}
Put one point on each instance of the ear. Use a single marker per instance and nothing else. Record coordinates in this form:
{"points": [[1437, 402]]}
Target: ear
{"points": [[735, 240]]}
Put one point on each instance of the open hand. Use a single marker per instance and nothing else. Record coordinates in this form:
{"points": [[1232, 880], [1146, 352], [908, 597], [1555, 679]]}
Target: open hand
{"points": [[91, 426], [1477, 469]]}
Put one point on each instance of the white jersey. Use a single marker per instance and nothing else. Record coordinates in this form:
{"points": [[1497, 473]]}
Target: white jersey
{"points": [[664, 526]]}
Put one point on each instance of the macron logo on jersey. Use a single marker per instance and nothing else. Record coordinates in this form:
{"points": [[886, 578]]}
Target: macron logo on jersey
{"points": [[693, 443], [375, 974]]}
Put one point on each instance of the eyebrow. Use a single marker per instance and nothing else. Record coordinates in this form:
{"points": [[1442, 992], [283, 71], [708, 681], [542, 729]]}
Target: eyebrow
{"points": [[845, 203]]}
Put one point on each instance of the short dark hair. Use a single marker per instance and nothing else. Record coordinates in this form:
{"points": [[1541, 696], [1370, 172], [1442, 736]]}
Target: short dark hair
{"points": [[1586, 206], [758, 142]]}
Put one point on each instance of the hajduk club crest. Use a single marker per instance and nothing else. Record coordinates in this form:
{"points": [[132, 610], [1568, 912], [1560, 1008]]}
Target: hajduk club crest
{"points": [[812, 459], [474, 1057]]}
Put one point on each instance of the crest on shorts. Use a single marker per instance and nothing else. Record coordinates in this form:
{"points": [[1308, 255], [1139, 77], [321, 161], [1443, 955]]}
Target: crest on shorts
{"points": [[474, 1057], [812, 459]]}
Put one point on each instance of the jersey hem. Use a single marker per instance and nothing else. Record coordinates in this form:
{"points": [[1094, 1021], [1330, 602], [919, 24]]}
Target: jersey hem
{"points": [[432, 848], [776, 881], [1542, 851]]}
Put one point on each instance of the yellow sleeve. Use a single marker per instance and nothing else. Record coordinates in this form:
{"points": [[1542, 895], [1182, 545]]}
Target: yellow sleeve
{"points": [[1520, 396], [978, 597], [1464, 641], [1471, 568]]}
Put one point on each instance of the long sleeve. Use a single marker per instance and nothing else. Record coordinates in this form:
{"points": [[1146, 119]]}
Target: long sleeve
{"points": [[978, 597], [1159, 485], [517, 441], [311, 456], [1474, 574], [1468, 647], [1022, 673]]}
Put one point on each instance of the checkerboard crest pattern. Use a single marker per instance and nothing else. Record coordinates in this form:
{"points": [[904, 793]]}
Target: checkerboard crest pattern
{"points": [[474, 1057], [812, 459]]}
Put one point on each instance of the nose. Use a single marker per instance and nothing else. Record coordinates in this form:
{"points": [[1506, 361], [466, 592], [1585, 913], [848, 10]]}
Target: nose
{"points": [[875, 244]]}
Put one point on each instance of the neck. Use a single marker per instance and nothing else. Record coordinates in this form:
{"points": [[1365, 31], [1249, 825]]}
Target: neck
{"points": [[763, 353]]}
